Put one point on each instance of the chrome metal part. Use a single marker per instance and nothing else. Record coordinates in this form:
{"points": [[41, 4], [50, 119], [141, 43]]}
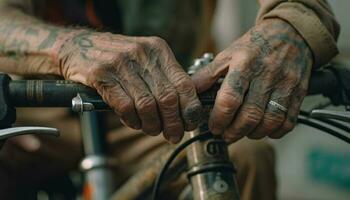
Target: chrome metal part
{"points": [[16, 131], [97, 172], [78, 105], [331, 114], [200, 62], [210, 171], [92, 162], [99, 181]]}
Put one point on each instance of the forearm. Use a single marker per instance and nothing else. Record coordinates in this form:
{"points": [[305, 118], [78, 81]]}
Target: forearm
{"points": [[28, 45]]}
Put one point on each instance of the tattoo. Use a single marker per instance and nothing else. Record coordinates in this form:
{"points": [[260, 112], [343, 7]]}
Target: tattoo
{"points": [[258, 93], [84, 43], [263, 44], [235, 81], [192, 114], [51, 38], [32, 32], [303, 55], [16, 38]]}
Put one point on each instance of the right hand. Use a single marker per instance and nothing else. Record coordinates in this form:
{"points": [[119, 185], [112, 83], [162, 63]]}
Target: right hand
{"points": [[138, 77]]}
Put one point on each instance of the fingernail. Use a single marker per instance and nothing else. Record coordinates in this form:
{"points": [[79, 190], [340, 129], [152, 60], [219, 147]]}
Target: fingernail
{"points": [[232, 138], [133, 126], [214, 130], [227, 139], [191, 127], [192, 114], [174, 139]]}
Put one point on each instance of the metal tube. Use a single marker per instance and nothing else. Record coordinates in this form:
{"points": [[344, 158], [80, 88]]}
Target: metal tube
{"points": [[98, 183], [210, 171]]}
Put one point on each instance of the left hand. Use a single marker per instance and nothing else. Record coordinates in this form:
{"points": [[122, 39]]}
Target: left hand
{"points": [[271, 62]]}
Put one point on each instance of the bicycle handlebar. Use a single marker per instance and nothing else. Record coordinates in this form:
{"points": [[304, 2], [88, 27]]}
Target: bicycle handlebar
{"points": [[59, 93]]}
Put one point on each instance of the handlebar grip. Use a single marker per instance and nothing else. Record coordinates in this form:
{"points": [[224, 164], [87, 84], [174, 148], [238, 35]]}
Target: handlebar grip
{"points": [[59, 93], [46, 93], [323, 82]]}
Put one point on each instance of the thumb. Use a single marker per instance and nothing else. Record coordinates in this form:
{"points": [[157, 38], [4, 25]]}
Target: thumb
{"points": [[205, 77]]}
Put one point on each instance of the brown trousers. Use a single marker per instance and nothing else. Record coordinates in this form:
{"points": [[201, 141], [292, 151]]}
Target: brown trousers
{"points": [[21, 166]]}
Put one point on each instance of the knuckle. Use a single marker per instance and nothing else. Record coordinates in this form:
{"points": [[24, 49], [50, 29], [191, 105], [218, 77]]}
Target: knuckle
{"points": [[293, 77], [151, 129], [157, 41], [227, 102], [173, 129], [256, 136], [185, 86], [168, 98], [271, 121], [302, 92], [145, 104], [135, 48], [124, 107], [252, 115], [288, 126]]}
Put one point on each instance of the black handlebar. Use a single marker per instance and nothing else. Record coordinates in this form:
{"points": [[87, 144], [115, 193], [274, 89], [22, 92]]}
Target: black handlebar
{"points": [[46, 93], [323, 82], [59, 93]]}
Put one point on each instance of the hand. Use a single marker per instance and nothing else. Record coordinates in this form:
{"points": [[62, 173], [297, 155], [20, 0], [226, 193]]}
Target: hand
{"points": [[270, 62], [138, 77]]}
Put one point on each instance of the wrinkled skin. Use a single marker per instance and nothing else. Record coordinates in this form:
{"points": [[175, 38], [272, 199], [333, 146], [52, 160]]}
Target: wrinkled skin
{"points": [[270, 62], [141, 80], [138, 77]]}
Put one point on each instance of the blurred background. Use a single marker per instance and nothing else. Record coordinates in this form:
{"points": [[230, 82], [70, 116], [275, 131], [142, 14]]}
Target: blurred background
{"points": [[310, 164]]}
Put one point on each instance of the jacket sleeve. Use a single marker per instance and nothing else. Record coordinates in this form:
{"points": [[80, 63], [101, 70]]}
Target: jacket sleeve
{"points": [[313, 19]]}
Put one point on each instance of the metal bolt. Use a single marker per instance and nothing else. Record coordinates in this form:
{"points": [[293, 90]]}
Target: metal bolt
{"points": [[208, 56], [79, 106]]}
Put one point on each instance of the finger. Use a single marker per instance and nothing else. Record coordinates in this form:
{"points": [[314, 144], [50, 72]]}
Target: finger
{"points": [[114, 95], [190, 106], [145, 103], [168, 103], [273, 117], [228, 101], [292, 115], [251, 112], [205, 77]]}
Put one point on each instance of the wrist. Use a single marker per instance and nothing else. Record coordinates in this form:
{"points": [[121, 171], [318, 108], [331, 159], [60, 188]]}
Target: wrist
{"points": [[281, 31], [62, 46]]}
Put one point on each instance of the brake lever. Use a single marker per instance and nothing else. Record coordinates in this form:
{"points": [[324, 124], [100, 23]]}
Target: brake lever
{"points": [[331, 114], [16, 131]]}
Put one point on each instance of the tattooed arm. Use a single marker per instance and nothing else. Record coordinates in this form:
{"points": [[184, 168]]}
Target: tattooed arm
{"points": [[137, 76]]}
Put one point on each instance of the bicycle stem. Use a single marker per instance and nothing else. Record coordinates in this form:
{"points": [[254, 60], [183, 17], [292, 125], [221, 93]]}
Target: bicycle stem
{"points": [[98, 175], [211, 173]]}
